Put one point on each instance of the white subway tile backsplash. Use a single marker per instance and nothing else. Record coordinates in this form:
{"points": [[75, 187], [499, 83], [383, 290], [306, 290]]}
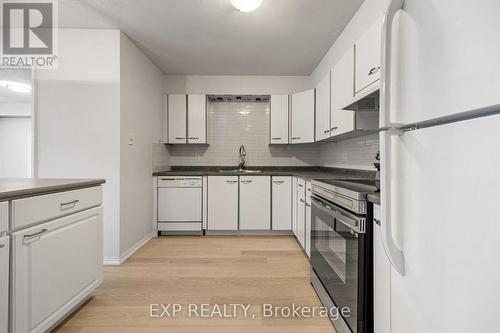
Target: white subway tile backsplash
{"points": [[355, 153], [231, 124]]}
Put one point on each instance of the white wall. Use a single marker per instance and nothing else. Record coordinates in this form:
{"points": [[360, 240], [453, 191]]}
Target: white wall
{"points": [[78, 118], [234, 84], [141, 100], [355, 153]]}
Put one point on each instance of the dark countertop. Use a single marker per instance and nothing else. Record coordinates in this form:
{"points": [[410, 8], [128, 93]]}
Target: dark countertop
{"points": [[11, 188], [302, 172], [374, 197]]}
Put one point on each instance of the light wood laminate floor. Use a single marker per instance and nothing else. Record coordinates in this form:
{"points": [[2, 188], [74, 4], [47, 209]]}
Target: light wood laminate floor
{"points": [[217, 270]]}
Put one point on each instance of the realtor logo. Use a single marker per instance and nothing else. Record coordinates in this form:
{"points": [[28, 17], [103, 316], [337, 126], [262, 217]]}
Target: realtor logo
{"points": [[28, 33]]}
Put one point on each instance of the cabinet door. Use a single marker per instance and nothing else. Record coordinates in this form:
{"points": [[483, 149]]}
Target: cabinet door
{"points": [[303, 117], [165, 119], [367, 52], [4, 284], [255, 203], [177, 109], [307, 232], [4, 217], [222, 203], [294, 205], [381, 280], [301, 212], [197, 119], [55, 266], [279, 119], [323, 109], [342, 121], [281, 203]]}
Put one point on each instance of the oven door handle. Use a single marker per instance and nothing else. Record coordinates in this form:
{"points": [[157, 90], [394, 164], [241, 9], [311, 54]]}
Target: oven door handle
{"points": [[345, 220]]}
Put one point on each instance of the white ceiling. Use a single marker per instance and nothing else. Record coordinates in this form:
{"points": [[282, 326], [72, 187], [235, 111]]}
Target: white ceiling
{"points": [[282, 37]]}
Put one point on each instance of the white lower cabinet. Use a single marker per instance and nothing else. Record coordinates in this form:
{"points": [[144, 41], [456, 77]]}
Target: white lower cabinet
{"points": [[55, 266], [4, 217], [255, 203], [4, 284], [281, 203], [307, 233], [301, 211], [381, 280], [223, 203], [294, 205]]}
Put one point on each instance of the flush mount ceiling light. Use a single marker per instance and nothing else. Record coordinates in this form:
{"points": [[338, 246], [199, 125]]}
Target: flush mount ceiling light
{"points": [[246, 5]]}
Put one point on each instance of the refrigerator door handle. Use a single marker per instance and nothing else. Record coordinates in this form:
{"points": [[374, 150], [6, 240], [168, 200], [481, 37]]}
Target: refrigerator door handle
{"points": [[395, 255], [385, 74]]}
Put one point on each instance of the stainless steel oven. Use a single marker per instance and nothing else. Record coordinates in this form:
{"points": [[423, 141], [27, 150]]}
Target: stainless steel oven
{"points": [[341, 259]]}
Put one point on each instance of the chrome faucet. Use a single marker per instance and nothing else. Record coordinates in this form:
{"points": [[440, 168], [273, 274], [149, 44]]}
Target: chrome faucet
{"points": [[243, 154]]}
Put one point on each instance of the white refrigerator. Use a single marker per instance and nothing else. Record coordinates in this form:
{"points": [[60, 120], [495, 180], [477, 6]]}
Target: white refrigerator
{"points": [[440, 166]]}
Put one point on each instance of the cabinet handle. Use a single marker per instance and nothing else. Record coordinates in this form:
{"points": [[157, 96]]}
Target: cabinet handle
{"points": [[376, 221], [246, 181], [194, 138], [275, 138], [302, 200], [278, 182], [326, 131], [2, 246], [333, 129], [300, 185], [179, 138], [296, 138], [73, 203], [231, 181], [374, 70], [35, 235], [308, 205]]}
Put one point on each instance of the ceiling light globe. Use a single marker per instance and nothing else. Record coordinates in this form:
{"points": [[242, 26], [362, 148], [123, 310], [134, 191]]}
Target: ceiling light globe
{"points": [[246, 5]]}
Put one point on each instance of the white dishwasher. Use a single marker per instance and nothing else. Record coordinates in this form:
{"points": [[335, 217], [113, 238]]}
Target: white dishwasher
{"points": [[180, 205]]}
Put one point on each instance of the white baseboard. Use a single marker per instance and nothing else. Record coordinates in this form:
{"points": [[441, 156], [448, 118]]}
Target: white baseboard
{"points": [[111, 261], [117, 261], [133, 249]]}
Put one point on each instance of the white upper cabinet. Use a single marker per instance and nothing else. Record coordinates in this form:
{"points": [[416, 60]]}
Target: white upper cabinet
{"points": [[177, 108], [323, 108], [255, 203], [197, 119], [367, 70], [279, 119], [342, 121], [303, 117]]}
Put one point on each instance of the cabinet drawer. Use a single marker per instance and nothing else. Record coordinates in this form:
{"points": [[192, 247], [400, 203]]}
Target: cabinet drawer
{"points": [[41, 208], [4, 217]]}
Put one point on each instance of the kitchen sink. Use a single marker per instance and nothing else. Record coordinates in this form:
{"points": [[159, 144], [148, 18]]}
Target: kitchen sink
{"points": [[238, 171]]}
